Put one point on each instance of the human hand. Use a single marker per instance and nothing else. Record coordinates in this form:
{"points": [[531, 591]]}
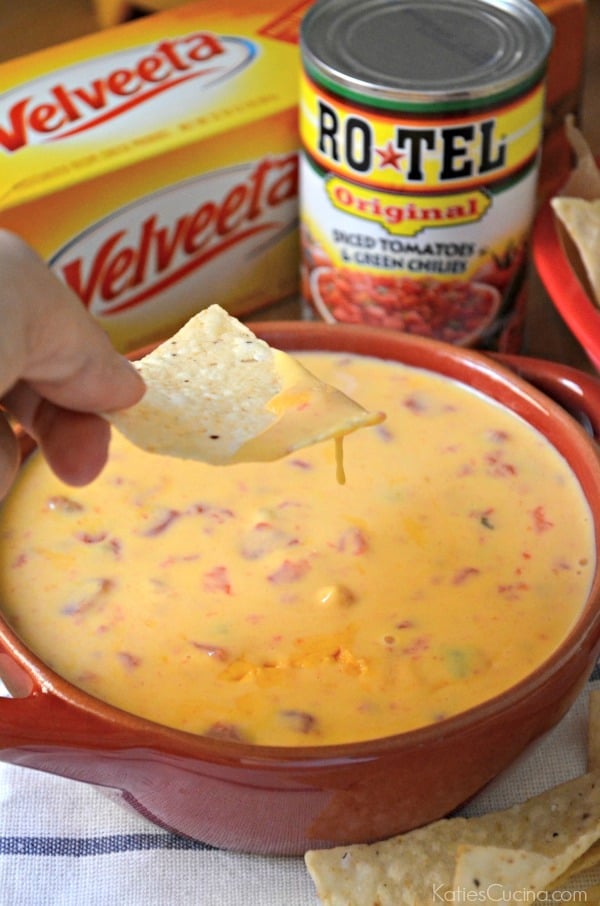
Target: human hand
{"points": [[58, 369]]}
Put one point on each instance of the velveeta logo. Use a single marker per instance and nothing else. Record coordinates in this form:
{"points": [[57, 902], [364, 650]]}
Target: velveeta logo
{"points": [[94, 93], [207, 229]]}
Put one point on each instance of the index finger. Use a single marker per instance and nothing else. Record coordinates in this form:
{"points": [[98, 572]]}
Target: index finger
{"points": [[54, 344]]}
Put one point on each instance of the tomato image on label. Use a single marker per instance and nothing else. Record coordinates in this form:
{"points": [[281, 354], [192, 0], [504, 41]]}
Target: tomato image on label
{"points": [[457, 311]]}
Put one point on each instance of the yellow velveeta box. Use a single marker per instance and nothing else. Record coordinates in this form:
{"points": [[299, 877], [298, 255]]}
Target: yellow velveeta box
{"points": [[154, 164]]}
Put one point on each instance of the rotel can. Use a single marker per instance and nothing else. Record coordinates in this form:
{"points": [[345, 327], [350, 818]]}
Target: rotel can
{"points": [[421, 129]]}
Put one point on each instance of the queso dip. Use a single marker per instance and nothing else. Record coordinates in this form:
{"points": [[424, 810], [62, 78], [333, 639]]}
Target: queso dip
{"points": [[269, 604]]}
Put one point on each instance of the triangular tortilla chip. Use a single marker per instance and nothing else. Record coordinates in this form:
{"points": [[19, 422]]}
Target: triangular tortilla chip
{"points": [[577, 206], [219, 394], [417, 867], [483, 872], [581, 219], [593, 746], [589, 859], [584, 178]]}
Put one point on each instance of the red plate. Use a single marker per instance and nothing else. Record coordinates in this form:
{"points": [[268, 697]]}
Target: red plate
{"points": [[566, 289]]}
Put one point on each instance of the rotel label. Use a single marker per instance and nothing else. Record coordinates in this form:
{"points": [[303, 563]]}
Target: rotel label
{"points": [[383, 150]]}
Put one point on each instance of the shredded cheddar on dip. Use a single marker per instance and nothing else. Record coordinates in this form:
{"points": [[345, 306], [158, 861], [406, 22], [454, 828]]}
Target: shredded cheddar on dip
{"points": [[268, 604]]}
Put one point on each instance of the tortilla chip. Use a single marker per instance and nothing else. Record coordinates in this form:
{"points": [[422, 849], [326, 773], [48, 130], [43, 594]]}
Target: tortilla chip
{"points": [[593, 748], [577, 207], [481, 870], [584, 179], [581, 219], [217, 393], [590, 859], [484, 871], [419, 867]]}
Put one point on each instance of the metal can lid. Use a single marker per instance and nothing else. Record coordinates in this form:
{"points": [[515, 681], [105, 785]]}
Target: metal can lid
{"points": [[425, 49]]}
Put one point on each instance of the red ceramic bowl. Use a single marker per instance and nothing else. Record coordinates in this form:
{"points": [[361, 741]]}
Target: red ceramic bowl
{"points": [[562, 274], [286, 800]]}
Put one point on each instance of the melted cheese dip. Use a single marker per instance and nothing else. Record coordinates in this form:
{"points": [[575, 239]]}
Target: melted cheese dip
{"points": [[268, 603]]}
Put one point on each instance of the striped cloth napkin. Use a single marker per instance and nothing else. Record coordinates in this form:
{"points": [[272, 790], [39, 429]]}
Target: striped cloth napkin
{"points": [[64, 843]]}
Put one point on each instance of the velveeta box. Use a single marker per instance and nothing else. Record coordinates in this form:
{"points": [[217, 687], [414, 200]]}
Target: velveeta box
{"points": [[154, 164]]}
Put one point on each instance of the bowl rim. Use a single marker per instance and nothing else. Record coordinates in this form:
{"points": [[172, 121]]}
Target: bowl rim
{"points": [[585, 633]]}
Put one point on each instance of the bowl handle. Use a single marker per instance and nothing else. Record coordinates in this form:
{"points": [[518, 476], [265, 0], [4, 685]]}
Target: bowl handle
{"points": [[34, 716], [576, 391], [23, 721], [40, 717]]}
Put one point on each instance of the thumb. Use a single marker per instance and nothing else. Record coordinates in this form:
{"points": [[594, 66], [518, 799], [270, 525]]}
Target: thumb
{"points": [[9, 456]]}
